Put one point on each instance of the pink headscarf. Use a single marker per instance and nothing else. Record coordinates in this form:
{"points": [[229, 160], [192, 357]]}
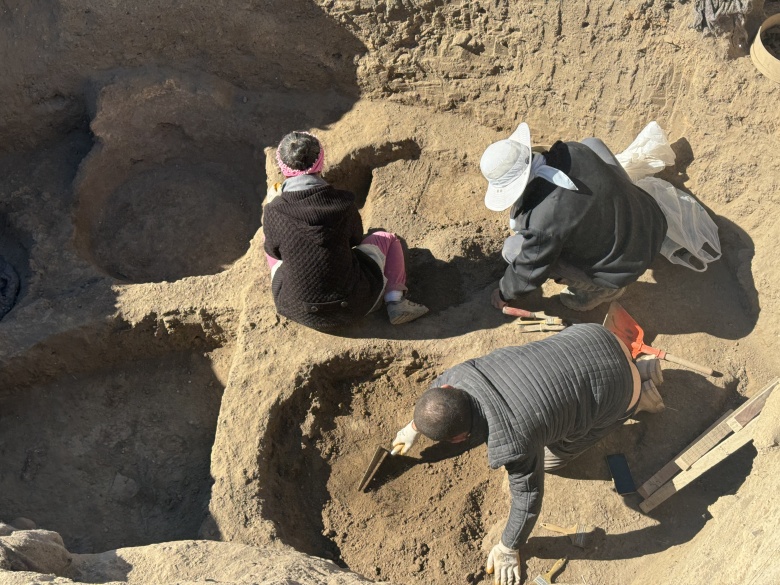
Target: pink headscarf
{"points": [[312, 170]]}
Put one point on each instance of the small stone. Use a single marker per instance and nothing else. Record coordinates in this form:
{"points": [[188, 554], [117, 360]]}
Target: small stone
{"points": [[123, 488], [24, 524], [462, 39]]}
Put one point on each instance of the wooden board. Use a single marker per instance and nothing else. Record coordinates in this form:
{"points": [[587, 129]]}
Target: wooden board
{"points": [[671, 469], [707, 440], [707, 462], [741, 417]]}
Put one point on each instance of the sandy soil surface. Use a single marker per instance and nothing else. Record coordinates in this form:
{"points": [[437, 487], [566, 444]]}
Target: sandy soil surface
{"points": [[148, 390]]}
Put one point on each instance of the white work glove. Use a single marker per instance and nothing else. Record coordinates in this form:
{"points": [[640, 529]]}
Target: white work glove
{"points": [[406, 438], [505, 563]]}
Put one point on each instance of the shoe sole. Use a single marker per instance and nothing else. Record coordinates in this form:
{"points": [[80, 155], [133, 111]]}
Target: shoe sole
{"points": [[406, 318], [565, 302]]}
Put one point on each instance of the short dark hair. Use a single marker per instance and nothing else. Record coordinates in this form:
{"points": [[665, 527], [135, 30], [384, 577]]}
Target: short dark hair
{"points": [[442, 414], [299, 150]]}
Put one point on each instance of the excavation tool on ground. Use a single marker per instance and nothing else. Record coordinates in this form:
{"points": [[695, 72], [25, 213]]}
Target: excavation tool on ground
{"points": [[533, 322], [629, 332], [712, 447], [376, 462], [547, 578], [578, 533]]}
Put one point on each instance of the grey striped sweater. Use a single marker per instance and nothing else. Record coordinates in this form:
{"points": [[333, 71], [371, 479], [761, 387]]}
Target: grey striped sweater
{"points": [[572, 386]]}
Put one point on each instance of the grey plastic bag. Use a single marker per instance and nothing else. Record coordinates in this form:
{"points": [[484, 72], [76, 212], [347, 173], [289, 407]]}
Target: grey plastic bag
{"points": [[692, 237]]}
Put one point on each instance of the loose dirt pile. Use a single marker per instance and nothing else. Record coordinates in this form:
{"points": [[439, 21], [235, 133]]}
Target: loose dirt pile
{"points": [[148, 390]]}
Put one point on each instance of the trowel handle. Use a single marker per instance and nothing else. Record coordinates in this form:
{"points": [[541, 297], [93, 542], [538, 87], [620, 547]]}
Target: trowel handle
{"points": [[396, 450], [513, 312], [696, 367]]}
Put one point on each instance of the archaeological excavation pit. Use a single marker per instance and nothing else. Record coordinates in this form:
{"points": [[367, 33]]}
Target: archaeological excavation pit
{"points": [[423, 517], [160, 121], [180, 220], [165, 197], [115, 456]]}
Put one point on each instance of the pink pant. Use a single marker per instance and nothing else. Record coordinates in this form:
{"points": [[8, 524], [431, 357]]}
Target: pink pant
{"points": [[395, 269], [390, 246]]}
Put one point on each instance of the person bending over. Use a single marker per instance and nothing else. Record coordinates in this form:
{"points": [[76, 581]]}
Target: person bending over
{"points": [[325, 272], [577, 218], [537, 406]]}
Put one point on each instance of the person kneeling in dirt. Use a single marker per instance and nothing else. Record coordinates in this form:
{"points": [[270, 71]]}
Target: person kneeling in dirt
{"points": [[538, 406], [324, 272], [577, 218]]}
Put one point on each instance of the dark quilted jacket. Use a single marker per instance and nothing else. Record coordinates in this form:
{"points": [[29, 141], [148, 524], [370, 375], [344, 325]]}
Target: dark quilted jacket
{"points": [[571, 386], [323, 282], [609, 228]]}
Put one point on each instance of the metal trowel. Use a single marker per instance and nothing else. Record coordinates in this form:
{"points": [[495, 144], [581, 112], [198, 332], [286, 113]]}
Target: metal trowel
{"points": [[376, 462]]}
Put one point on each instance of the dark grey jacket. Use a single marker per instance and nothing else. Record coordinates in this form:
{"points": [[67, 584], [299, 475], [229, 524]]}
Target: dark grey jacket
{"points": [[609, 228], [572, 386]]}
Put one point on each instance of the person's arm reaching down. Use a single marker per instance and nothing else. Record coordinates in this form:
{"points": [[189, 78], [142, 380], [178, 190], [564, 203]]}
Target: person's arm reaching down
{"points": [[526, 484], [531, 267]]}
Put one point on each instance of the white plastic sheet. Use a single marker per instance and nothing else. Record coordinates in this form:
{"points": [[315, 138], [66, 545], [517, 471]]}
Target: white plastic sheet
{"points": [[692, 237], [648, 154]]}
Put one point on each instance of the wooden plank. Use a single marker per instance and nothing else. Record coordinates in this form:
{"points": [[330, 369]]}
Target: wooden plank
{"points": [[707, 462], [723, 427], [751, 409], [663, 475], [711, 437], [671, 469], [734, 425], [741, 417]]}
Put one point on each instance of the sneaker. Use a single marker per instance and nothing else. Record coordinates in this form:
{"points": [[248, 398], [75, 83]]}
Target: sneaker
{"points": [[404, 311], [650, 369], [580, 300], [649, 399]]}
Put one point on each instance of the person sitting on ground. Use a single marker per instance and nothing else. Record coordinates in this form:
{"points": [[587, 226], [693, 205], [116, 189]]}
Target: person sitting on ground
{"points": [[324, 271], [577, 218], [537, 406]]}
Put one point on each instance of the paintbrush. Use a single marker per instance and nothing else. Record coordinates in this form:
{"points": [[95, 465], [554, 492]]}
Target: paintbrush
{"points": [[577, 533], [547, 578]]}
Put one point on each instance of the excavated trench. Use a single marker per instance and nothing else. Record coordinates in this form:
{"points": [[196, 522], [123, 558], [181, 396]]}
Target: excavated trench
{"points": [[116, 454], [422, 517]]}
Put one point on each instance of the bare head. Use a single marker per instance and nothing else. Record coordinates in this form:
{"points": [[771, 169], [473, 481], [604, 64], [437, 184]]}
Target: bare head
{"points": [[299, 150], [444, 414]]}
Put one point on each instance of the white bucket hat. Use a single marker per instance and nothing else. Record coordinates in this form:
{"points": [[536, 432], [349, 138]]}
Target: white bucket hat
{"points": [[506, 165]]}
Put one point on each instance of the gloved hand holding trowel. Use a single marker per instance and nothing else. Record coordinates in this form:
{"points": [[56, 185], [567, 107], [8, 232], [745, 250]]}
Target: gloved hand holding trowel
{"points": [[405, 439]]}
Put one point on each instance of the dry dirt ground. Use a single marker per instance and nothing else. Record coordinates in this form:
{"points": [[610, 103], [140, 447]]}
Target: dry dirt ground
{"points": [[150, 394]]}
